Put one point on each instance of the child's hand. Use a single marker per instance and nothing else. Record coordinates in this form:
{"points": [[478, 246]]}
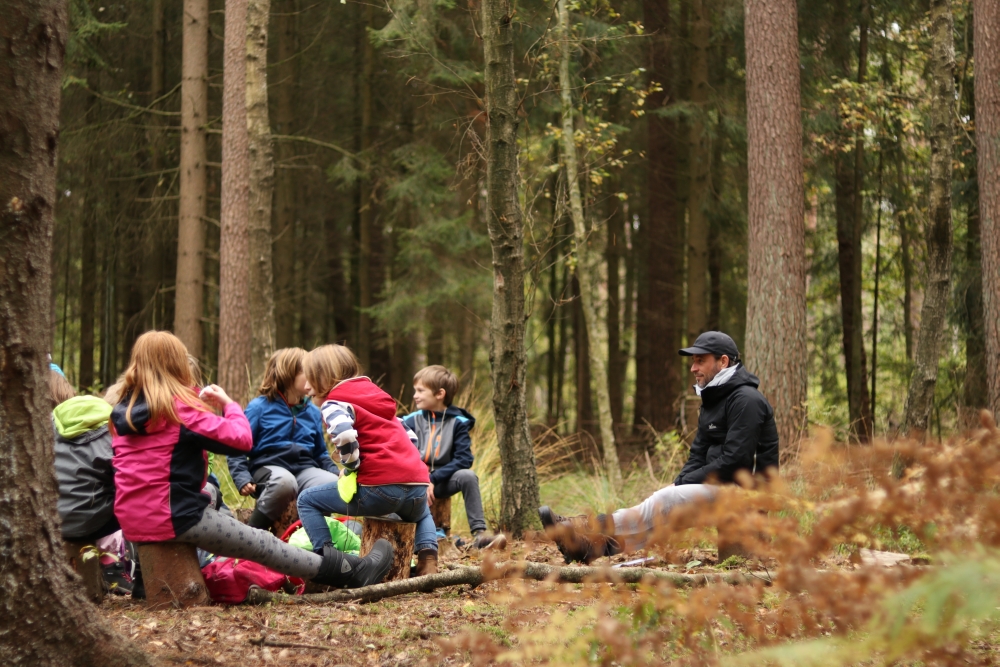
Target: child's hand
{"points": [[430, 494], [248, 488], [215, 396]]}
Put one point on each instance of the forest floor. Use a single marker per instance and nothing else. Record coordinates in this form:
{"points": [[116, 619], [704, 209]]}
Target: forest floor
{"points": [[413, 629]]}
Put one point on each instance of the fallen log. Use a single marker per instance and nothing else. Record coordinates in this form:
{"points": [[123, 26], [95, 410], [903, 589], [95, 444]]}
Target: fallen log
{"points": [[474, 576]]}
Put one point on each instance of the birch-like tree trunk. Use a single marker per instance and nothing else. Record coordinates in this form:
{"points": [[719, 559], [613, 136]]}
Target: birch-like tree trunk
{"points": [[587, 258], [190, 285], [986, 18], [920, 397], [235, 333], [261, 188], [519, 491], [776, 273], [46, 619]]}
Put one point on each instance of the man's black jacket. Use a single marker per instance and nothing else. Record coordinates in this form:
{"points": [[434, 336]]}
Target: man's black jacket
{"points": [[736, 431]]}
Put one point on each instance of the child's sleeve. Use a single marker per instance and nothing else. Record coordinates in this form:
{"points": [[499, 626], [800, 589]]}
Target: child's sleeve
{"points": [[410, 433], [320, 453], [229, 434], [339, 420]]}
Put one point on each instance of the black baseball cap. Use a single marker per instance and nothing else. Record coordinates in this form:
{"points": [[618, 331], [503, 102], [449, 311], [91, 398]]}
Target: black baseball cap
{"points": [[712, 342]]}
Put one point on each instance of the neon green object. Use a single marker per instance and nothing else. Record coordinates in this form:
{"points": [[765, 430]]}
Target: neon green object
{"points": [[342, 536], [347, 485]]}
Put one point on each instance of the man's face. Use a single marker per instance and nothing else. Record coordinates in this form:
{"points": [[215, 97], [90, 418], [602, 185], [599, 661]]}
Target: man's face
{"points": [[705, 367]]}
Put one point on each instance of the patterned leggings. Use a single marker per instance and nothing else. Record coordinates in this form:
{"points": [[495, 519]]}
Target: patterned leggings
{"points": [[225, 536]]}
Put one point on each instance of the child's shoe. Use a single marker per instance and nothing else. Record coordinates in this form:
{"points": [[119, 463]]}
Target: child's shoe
{"points": [[346, 571], [427, 562]]}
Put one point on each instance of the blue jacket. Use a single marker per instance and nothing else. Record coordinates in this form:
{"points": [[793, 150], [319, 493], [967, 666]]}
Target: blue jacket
{"points": [[283, 436], [452, 444]]}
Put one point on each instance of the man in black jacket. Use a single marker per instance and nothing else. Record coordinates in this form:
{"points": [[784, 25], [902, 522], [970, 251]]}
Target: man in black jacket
{"points": [[736, 431]]}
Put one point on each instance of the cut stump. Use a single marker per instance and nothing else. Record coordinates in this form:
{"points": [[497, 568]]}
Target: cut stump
{"points": [[288, 517], [89, 569], [399, 534], [171, 575], [441, 513]]}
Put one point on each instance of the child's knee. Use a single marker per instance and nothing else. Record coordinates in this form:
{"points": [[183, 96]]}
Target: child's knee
{"points": [[466, 478]]}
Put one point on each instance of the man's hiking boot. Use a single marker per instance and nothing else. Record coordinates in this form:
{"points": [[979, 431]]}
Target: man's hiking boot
{"points": [[580, 538], [427, 562], [485, 540], [346, 571], [260, 520]]}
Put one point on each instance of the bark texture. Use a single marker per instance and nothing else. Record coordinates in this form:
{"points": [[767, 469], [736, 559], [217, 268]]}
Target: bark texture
{"points": [[699, 191], [776, 289], [189, 295], [235, 333], [986, 18], [285, 210], [660, 303], [519, 492], [920, 397], [586, 262], [45, 616], [400, 535], [261, 189]]}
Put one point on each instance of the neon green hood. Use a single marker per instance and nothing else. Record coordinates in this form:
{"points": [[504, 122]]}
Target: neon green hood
{"points": [[79, 415]]}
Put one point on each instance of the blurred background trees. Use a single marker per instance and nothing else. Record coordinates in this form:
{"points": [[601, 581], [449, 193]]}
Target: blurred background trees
{"points": [[379, 224]]}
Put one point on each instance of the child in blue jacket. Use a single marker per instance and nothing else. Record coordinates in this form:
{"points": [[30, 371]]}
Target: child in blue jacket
{"points": [[289, 453]]}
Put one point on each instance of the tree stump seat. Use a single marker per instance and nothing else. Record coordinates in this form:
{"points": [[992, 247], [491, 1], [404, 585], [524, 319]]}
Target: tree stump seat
{"points": [[89, 568], [171, 575], [400, 534], [441, 513], [288, 517]]}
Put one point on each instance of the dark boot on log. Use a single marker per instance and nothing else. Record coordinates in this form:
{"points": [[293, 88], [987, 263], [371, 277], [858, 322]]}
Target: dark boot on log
{"points": [[260, 520], [427, 562], [580, 538], [347, 571]]}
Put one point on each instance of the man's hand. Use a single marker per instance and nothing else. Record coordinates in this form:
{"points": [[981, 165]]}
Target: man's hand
{"points": [[430, 494], [248, 488]]}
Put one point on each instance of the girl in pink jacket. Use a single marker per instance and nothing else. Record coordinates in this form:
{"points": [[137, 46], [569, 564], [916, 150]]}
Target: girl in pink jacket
{"points": [[162, 433]]}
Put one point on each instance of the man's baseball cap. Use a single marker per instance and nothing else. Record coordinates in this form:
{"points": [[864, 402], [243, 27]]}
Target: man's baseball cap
{"points": [[712, 342]]}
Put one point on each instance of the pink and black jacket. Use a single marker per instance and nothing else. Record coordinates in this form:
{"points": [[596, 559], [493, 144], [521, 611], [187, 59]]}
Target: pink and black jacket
{"points": [[160, 468]]}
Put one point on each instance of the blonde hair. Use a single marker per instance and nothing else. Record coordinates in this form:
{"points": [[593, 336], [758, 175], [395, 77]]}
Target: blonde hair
{"points": [[59, 388], [159, 371], [195, 366], [327, 365], [281, 371], [437, 378]]}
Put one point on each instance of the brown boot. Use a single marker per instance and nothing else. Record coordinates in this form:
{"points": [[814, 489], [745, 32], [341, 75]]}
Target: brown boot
{"points": [[427, 562]]}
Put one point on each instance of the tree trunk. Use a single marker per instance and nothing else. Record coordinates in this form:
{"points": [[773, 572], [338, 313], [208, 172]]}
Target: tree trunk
{"points": [[190, 283], [235, 333], [776, 287], [285, 212], [519, 491], [88, 291], [366, 212], [261, 188], [920, 397], [663, 297], [699, 191], [986, 17], [581, 364], [905, 259], [45, 616], [586, 264], [614, 251]]}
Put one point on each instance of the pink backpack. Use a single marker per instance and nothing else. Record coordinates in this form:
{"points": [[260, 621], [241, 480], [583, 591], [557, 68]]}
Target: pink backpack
{"points": [[229, 580]]}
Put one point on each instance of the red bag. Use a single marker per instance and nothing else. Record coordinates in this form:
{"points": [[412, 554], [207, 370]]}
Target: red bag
{"points": [[229, 580]]}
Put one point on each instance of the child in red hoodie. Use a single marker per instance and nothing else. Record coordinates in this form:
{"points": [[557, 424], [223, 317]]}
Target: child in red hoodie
{"points": [[162, 433], [375, 449]]}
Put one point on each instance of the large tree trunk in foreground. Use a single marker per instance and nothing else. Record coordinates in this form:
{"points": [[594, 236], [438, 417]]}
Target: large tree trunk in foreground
{"points": [[920, 397], [586, 265], [189, 294], [45, 616], [519, 493], [261, 189], [776, 289], [235, 333], [986, 16]]}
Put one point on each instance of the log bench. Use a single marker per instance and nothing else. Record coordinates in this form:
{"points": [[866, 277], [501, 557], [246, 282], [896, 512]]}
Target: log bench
{"points": [[171, 575], [399, 534], [88, 568]]}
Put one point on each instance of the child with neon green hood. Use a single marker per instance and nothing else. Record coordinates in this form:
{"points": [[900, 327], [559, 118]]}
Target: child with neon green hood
{"points": [[83, 468]]}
